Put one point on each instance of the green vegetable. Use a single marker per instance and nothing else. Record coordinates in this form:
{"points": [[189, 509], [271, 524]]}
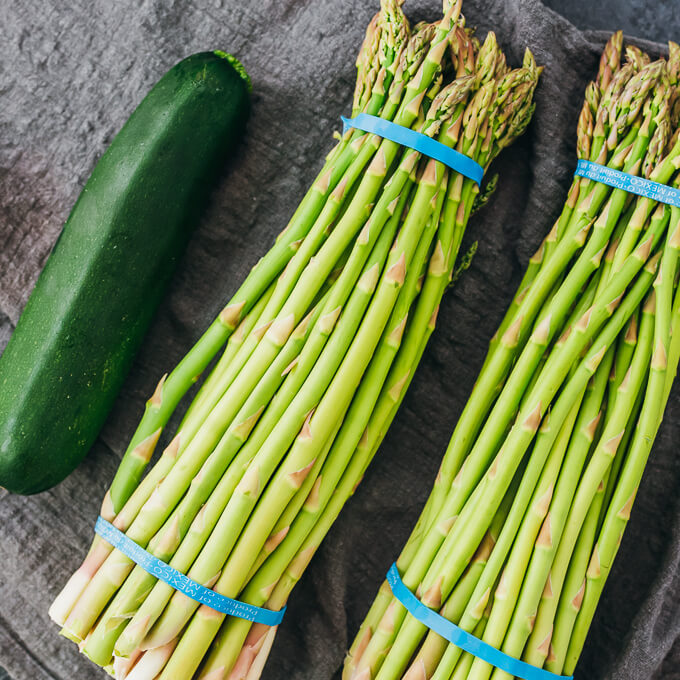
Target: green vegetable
{"points": [[563, 415], [97, 294]]}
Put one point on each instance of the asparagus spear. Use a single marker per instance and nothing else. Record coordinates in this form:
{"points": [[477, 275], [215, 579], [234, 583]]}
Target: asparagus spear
{"points": [[171, 388], [297, 377], [624, 124], [656, 397]]}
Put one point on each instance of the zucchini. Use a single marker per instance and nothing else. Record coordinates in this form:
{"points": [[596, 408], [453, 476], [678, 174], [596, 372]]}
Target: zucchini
{"points": [[96, 296]]}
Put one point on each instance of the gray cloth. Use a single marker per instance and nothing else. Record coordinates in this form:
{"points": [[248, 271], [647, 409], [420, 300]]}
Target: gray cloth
{"points": [[70, 76]]}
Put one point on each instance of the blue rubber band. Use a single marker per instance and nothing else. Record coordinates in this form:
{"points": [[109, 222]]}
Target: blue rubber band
{"points": [[417, 141], [463, 639], [184, 584], [634, 185]]}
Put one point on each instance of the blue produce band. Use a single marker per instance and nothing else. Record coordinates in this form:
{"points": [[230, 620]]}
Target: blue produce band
{"points": [[184, 584], [464, 640], [633, 185], [418, 141]]}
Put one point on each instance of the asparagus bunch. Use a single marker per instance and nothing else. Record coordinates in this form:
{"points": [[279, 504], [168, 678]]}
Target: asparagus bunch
{"points": [[536, 487], [322, 340]]}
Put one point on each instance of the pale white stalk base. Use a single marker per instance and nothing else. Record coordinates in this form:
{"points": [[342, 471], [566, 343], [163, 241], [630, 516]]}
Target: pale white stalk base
{"points": [[122, 664], [151, 663], [65, 601]]}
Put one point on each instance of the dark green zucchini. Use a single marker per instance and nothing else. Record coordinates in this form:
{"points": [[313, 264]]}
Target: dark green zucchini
{"points": [[97, 294]]}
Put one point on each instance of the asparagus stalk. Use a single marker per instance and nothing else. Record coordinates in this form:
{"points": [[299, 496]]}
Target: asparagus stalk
{"points": [[228, 645], [148, 615], [334, 401], [530, 415], [656, 397], [102, 586], [581, 298], [361, 405], [334, 354], [171, 388]]}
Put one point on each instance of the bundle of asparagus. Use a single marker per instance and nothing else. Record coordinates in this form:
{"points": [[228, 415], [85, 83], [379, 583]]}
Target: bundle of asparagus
{"points": [[323, 337], [518, 536]]}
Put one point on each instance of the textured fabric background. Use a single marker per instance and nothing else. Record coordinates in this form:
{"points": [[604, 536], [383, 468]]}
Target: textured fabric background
{"points": [[69, 77]]}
